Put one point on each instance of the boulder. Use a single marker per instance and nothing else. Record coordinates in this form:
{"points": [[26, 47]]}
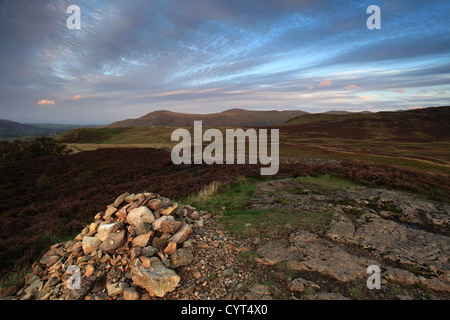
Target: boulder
{"points": [[90, 244], [142, 240], [182, 234], [157, 280], [140, 214], [104, 230], [114, 241], [181, 257], [116, 289], [156, 224]]}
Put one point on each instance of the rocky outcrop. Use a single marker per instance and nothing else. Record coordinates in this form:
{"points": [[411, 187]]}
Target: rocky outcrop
{"points": [[136, 244]]}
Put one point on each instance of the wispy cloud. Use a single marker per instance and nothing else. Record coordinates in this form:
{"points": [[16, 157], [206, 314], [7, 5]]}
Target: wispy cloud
{"points": [[133, 57]]}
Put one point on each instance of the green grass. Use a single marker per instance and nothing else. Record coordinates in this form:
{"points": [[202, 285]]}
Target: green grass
{"points": [[326, 181], [232, 205]]}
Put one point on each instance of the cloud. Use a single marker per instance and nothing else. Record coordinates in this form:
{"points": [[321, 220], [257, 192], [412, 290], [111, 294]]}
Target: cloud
{"points": [[46, 102], [77, 97], [310, 87], [368, 106], [325, 83], [352, 86], [414, 107], [399, 91]]}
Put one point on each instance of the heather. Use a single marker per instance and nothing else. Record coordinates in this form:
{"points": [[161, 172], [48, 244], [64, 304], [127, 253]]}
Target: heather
{"points": [[49, 199]]}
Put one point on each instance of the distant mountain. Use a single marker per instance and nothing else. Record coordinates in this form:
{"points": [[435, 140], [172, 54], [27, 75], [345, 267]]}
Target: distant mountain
{"points": [[421, 124], [232, 118], [12, 130]]}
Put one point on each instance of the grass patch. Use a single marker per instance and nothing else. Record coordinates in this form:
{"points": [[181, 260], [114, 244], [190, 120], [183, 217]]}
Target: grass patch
{"points": [[326, 181]]}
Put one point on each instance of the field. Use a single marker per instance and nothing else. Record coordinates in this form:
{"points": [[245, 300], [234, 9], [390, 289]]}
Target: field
{"points": [[49, 199]]}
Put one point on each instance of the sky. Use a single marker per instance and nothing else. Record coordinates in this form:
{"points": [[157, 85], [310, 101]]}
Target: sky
{"points": [[133, 57]]}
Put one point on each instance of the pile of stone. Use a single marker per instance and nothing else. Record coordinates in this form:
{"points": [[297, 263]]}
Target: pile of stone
{"points": [[131, 251]]}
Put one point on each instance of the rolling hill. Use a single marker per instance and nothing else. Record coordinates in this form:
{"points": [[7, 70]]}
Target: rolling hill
{"points": [[410, 125], [10, 130], [232, 117]]}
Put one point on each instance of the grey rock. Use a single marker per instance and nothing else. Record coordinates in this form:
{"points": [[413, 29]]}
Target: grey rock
{"points": [[143, 228], [300, 285], [149, 251], [181, 257], [182, 234], [157, 280], [272, 253], [116, 289]]}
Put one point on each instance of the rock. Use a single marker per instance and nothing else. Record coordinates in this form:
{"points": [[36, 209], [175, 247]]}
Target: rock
{"points": [[8, 291], [341, 229], [146, 263], [130, 198], [120, 199], [181, 257], [157, 222], [398, 243], [155, 204], [170, 226], [325, 296], [169, 210], [400, 275], [157, 280], [171, 247], [130, 293], [116, 289], [78, 294], [110, 210], [114, 241], [259, 289], [138, 215], [311, 253], [182, 234], [149, 251], [90, 244], [33, 289], [143, 228], [272, 253], [300, 284], [142, 240], [89, 271], [49, 260], [435, 284], [104, 230]]}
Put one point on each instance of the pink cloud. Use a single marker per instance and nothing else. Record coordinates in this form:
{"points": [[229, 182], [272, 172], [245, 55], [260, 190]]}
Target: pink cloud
{"points": [[352, 86], [46, 102], [325, 83], [310, 87], [415, 107], [442, 92], [368, 106], [78, 96], [399, 91]]}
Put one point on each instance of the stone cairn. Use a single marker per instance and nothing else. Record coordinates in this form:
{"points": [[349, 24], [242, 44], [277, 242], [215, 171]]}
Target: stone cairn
{"points": [[131, 251]]}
